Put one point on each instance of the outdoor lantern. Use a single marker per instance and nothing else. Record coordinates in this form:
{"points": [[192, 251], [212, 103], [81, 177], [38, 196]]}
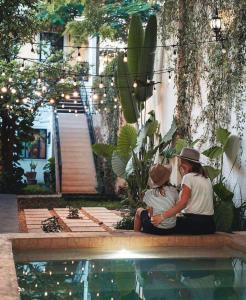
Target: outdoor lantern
{"points": [[216, 24]]}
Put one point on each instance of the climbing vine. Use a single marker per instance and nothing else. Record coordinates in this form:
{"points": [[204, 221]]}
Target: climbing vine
{"points": [[201, 61]]}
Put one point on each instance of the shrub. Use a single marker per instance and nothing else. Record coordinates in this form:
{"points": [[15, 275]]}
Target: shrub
{"points": [[35, 189], [127, 223]]}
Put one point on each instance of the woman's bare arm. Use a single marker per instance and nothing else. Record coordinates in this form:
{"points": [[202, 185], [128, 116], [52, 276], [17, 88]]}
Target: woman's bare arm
{"points": [[182, 202]]}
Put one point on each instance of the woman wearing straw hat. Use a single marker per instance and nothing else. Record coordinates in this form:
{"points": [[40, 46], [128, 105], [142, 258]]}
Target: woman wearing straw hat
{"points": [[159, 198], [195, 199]]}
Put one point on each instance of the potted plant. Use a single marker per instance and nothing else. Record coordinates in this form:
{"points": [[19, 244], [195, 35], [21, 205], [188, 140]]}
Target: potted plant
{"points": [[31, 176]]}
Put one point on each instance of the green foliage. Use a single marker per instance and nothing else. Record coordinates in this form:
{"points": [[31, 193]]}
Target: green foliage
{"points": [[135, 40], [212, 172], [35, 189], [109, 19], [223, 215], [127, 223], [213, 152], [50, 168], [222, 192], [104, 150], [127, 140], [128, 100], [138, 69]]}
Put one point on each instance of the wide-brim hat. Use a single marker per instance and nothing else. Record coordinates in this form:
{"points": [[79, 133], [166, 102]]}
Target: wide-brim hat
{"points": [[159, 175], [190, 154]]}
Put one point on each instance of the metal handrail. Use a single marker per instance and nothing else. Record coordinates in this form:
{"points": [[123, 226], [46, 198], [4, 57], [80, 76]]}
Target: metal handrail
{"points": [[58, 158]]}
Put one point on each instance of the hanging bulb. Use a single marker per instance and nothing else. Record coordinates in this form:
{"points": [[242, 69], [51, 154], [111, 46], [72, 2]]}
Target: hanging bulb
{"points": [[79, 55], [3, 74], [75, 101], [75, 94], [120, 106], [74, 82], [101, 101], [39, 80], [169, 76], [105, 108], [67, 97], [63, 107], [148, 80], [115, 106], [10, 79], [17, 100], [45, 294], [105, 94], [4, 89], [24, 100], [135, 84], [62, 80], [13, 91], [101, 85], [95, 96], [52, 101], [62, 95], [112, 82], [125, 57], [115, 99], [223, 50]]}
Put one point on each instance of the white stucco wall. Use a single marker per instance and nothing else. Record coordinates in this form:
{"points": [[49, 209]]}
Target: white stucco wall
{"points": [[43, 120], [164, 101]]}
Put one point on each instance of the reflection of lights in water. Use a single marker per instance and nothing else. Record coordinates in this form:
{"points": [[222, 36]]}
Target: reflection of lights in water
{"points": [[127, 254]]}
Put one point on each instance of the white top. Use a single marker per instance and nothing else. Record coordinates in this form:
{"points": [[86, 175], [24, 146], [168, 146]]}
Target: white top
{"points": [[201, 200], [161, 204]]}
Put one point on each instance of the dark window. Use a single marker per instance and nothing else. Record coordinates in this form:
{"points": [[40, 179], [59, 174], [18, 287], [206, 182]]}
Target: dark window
{"points": [[36, 149], [49, 42]]}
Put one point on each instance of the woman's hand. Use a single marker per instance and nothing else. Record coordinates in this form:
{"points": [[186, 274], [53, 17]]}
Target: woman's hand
{"points": [[156, 220]]}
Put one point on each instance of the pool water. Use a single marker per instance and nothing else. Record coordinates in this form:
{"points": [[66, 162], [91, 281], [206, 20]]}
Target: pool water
{"points": [[150, 279]]}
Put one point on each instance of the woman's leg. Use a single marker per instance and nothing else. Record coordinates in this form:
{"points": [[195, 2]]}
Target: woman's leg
{"points": [[137, 219]]}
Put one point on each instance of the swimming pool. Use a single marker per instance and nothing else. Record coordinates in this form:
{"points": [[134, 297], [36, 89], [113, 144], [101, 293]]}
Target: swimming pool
{"points": [[141, 278]]}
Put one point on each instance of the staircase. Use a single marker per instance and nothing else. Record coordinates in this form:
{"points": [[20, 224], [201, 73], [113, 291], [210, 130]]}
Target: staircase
{"points": [[78, 168], [71, 105]]}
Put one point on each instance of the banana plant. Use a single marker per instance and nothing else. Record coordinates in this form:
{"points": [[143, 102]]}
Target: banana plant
{"points": [[134, 77], [227, 145], [134, 154]]}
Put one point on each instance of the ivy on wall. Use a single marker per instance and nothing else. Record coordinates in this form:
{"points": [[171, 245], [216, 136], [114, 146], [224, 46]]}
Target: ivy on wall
{"points": [[200, 59]]}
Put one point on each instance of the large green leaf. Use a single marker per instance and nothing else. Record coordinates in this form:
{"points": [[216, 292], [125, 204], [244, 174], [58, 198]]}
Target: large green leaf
{"points": [[135, 42], [213, 152], [119, 164], [127, 99], [169, 135], [180, 144], [222, 192], [212, 172], [127, 140], [223, 216], [149, 129], [232, 147], [222, 135], [104, 150]]}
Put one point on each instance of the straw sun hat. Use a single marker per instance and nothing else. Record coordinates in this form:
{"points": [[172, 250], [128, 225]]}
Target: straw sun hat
{"points": [[159, 175]]}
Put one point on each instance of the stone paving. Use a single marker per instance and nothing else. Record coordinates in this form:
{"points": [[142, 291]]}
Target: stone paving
{"points": [[92, 219], [34, 217], [8, 214]]}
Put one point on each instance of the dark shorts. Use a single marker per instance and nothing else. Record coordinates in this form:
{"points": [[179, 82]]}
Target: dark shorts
{"points": [[195, 224], [148, 227]]}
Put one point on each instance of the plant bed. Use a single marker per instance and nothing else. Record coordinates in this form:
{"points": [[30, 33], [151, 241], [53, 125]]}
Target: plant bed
{"points": [[56, 201]]}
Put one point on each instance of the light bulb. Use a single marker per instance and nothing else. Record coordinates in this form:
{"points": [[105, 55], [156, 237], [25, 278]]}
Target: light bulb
{"points": [[223, 50], [22, 68], [13, 91], [75, 94], [39, 80], [62, 80], [75, 101], [101, 101], [67, 97], [4, 89], [112, 83], [125, 58], [135, 84], [63, 107], [10, 79], [45, 294], [104, 95], [58, 283], [115, 99], [101, 85], [24, 100], [3, 74], [17, 100], [95, 96], [115, 106], [52, 101]]}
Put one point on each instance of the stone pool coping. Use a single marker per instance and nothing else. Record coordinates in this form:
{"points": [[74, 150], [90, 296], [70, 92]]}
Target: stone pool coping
{"points": [[100, 240]]}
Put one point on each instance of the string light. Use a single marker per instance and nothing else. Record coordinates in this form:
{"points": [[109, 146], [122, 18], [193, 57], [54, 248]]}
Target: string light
{"points": [[74, 82], [17, 100], [101, 101], [169, 76], [105, 93], [79, 56], [13, 91], [95, 96], [75, 101], [45, 294], [135, 85], [10, 79], [4, 89], [52, 101], [101, 85], [148, 80], [115, 99], [67, 97], [25, 100], [62, 80], [58, 283], [75, 94], [3, 74], [62, 95], [125, 57]]}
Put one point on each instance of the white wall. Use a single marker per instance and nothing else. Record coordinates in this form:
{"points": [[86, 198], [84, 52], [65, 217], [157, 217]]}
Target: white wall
{"points": [[43, 120], [164, 102]]}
